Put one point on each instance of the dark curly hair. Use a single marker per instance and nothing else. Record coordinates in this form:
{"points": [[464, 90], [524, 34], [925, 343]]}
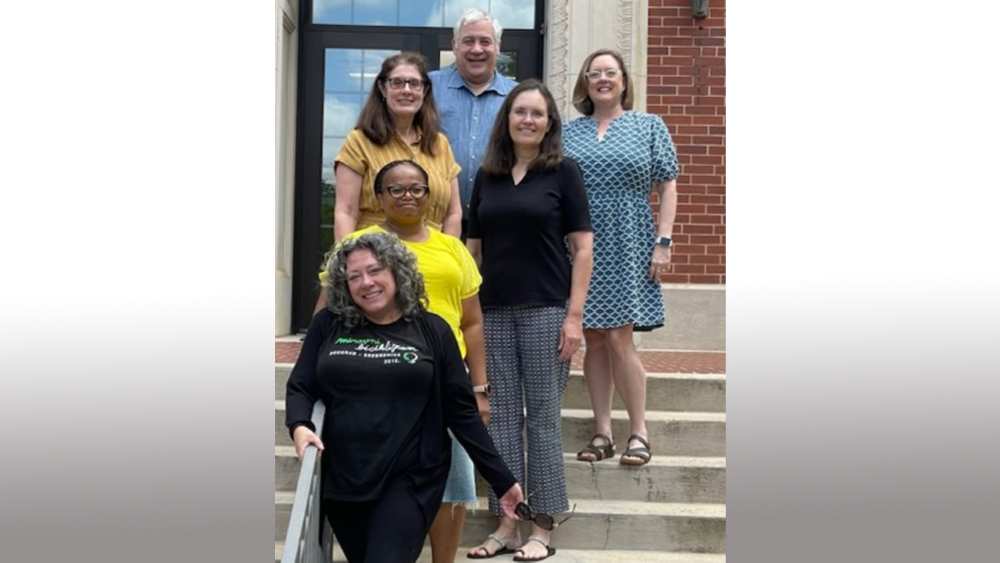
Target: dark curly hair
{"points": [[411, 298]]}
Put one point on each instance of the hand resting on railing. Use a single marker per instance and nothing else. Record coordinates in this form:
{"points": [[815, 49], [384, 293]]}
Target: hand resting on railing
{"points": [[303, 437]]}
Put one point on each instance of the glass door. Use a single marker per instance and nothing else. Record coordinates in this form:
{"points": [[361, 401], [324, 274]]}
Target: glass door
{"points": [[343, 46]]}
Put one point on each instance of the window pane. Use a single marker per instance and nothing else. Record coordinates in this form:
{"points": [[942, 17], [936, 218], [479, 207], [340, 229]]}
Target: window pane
{"points": [[453, 8], [332, 11], [513, 14], [375, 12], [343, 70], [422, 13], [372, 66], [507, 64], [340, 111]]}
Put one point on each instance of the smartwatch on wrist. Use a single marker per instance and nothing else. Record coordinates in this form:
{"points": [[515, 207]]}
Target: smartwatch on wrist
{"points": [[484, 389], [664, 241]]}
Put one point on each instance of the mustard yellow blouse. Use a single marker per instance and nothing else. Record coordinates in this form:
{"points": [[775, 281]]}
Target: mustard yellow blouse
{"points": [[366, 158]]}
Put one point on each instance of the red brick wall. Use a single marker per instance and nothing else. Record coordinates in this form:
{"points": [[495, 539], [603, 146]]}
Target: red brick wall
{"points": [[687, 88]]}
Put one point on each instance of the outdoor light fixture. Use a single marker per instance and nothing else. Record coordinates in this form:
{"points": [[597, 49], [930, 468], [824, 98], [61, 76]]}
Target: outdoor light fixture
{"points": [[699, 9]]}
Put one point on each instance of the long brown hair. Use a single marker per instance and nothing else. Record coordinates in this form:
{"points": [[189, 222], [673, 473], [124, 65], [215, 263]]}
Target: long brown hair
{"points": [[500, 157], [581, 99], [376, 121]]}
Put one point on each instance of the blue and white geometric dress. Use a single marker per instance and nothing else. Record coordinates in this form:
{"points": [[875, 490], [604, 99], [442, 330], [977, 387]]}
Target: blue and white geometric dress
{"points": [[618, 172]]}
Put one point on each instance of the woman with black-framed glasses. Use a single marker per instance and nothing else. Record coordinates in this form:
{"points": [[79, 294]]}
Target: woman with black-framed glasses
{"points": [[452, 281], [399, 120]]}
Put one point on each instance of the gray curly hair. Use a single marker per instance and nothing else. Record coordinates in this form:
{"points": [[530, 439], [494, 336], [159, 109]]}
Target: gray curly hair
{"points": [[411, 298]]}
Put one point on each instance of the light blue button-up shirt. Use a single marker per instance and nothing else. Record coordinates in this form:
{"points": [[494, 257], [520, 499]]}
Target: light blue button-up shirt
{"points": [[467, 120]]}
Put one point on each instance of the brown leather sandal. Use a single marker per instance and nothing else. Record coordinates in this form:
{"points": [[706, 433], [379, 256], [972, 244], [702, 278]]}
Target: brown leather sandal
{"points": [[642, 453], [599, 452]]}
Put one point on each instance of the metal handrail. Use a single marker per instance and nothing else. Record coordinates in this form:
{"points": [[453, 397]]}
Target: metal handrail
{"points": [[309, 538]]}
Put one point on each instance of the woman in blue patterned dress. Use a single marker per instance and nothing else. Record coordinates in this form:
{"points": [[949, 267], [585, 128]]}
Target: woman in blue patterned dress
{"points": [[623, 155]]}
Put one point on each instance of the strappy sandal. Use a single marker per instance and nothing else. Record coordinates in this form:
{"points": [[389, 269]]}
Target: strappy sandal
{"points": [[550, 550], [496, 538], [599, 452], [642, 453]]}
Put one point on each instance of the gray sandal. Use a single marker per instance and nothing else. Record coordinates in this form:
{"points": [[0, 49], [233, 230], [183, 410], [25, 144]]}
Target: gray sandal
{"points": [[498, 540]]}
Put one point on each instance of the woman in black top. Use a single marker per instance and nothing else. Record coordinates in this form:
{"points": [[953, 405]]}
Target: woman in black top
{"points": [[393, 381], [529, 229]]}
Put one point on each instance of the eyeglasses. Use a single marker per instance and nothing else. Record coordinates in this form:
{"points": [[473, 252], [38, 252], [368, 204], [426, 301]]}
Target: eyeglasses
{"points": [[543, 521], [610, 73], [416, 190], [415, 84]]}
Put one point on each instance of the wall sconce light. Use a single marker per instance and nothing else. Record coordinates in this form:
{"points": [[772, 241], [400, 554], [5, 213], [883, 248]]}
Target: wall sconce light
{"points": [[699, 9]]}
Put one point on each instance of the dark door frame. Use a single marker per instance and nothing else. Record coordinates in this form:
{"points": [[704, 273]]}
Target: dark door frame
{"points": [[314, 39]]}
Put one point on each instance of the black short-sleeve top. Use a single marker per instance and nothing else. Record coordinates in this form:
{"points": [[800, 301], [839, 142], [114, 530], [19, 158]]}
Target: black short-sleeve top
{"points": [[523, 229]]}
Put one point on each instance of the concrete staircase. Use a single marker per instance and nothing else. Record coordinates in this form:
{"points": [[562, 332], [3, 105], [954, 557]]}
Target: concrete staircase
{"points": [[671, 510]]}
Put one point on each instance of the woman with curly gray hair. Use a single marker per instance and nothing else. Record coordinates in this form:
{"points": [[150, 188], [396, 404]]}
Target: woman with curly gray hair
{"points": [[393, 381]]}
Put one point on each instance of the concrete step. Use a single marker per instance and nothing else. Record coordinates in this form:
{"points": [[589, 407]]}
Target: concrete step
{"points": [[664, 391], [682, 392], [670, 433], [567, 556], [664, 479], [599, 525]]}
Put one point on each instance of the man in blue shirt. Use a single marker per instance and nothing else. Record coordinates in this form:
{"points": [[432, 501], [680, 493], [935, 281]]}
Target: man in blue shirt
{"points": [[469, 96]]}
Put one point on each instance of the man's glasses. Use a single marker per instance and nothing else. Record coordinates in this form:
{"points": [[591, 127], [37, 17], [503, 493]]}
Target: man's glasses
{"points": [[415, 84], [416, 190], [610, 73], [543, 521]]}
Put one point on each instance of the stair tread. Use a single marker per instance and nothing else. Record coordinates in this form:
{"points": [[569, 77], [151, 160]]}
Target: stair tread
{"points": [[603, 507], [651, 415], [570, 458], [579, 373], [579, 555]]}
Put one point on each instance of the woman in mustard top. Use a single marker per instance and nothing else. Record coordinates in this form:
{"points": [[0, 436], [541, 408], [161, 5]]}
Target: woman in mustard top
{"points": [[398, 121]]}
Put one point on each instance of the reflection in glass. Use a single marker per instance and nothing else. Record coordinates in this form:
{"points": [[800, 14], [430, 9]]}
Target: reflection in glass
{"points": [[343, 70], [512, 14], [340, 111], [422, 13], [332, 11], [376, 12], [373, 64], [349, 76], [453, 8]]}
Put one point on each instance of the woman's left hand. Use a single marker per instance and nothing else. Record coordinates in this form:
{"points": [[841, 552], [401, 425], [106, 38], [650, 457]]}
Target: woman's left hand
{"points": [[510, 500], [660, 262], [570, 336]]}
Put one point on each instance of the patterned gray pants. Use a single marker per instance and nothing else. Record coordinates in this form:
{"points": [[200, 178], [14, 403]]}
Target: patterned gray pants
{"points": [[527, 378]]}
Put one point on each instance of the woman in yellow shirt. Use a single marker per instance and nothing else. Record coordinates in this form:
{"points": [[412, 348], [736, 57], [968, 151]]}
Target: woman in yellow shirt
{"points": [[398, 121]]}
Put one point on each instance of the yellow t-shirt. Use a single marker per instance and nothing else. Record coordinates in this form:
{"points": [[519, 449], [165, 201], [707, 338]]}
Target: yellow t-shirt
{"points": [[450, 275], [366, 158]]}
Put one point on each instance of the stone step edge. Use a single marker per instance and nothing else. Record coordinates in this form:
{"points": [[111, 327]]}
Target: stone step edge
{"points": [[603, 508], [652, 374], [659, 460], [651, 415], [595, 555]]}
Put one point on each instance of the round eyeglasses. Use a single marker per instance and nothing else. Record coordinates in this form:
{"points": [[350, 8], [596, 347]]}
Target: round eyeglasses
{"points": [[417, 191], [415, 84]]}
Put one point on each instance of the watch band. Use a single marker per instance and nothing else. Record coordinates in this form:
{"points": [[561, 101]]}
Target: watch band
{"points": [[484, 389], [664, 241]]}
